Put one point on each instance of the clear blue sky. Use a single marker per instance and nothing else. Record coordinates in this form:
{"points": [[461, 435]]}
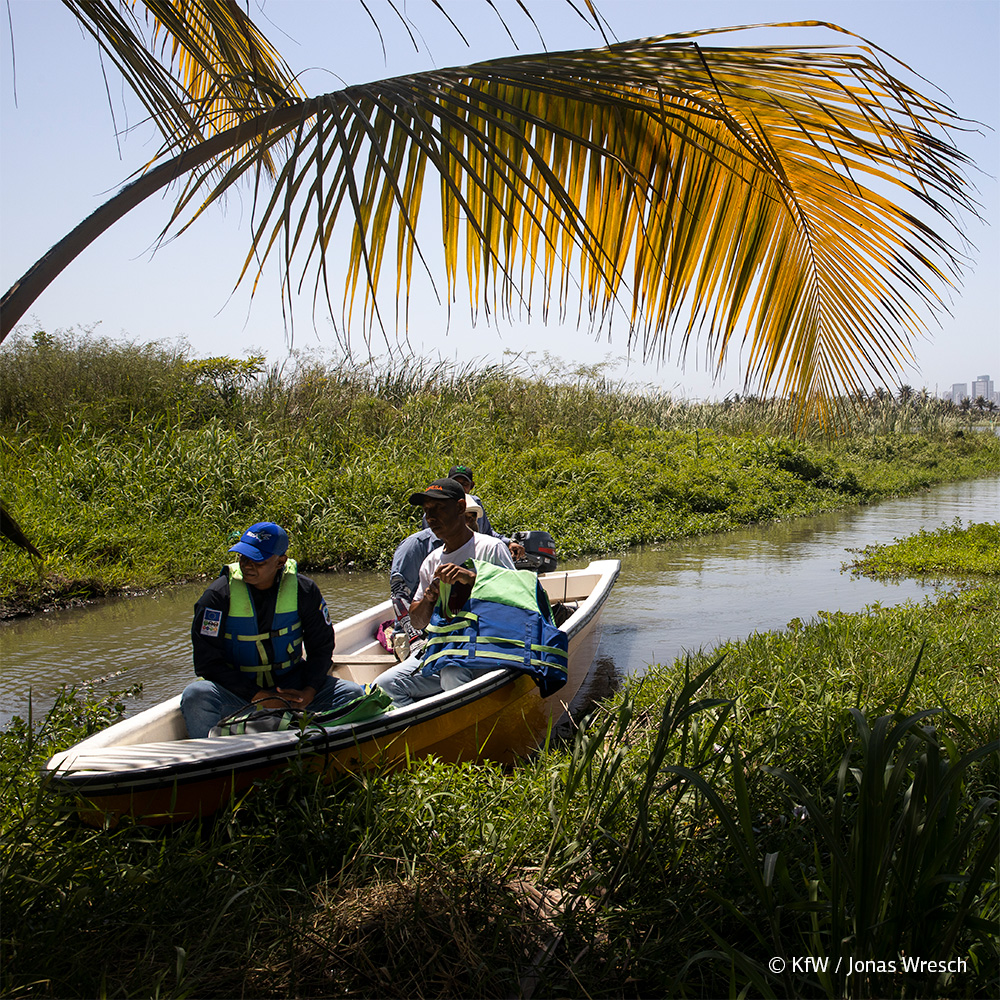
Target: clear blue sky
{"points": [[59, 160]]}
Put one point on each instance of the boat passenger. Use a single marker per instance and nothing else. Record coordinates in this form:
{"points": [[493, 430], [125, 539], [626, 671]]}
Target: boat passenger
{"points": [[444, 503], [463, 475], [404, 573], [249, 631]]}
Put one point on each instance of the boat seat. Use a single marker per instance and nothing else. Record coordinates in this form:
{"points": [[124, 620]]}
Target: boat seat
{"points": [[364, 660]]}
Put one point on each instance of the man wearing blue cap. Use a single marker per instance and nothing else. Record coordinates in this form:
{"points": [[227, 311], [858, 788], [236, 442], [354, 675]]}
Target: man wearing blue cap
{"points": [[249, 630]]}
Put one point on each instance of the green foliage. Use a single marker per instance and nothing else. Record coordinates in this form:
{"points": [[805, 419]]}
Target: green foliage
{"points": [[802, 792], [951, 551], [132, 465], [899, 865]]}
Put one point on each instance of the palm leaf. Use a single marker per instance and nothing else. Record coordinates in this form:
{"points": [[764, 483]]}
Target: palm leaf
{"points": [[199, 68], [748, 193], [790, 201], [10, 529]]}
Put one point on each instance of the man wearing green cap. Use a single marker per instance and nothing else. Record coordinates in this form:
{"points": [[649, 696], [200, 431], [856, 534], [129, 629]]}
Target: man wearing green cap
{"points": [[248, 635], [462, 474]]}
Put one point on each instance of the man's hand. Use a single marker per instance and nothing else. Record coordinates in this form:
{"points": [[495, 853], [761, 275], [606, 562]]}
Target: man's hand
{"points": [[453, 573], [461, 580], [284, 697], [421, 611], [516, 551]]}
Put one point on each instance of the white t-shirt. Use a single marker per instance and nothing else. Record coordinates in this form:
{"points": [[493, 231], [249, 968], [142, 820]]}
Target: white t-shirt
{"points": [[485, 548]]}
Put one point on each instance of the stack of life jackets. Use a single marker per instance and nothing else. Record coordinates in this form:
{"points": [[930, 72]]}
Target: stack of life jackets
{"points": [[506, 622]]}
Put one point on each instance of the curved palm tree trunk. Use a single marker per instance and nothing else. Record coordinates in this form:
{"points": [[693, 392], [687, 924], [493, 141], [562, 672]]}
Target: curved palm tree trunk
{"points": [[20, 296], [9, 528]]}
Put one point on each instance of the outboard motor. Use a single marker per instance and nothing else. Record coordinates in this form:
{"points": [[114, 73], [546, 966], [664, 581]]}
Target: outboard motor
{"points": [[539, 551]]}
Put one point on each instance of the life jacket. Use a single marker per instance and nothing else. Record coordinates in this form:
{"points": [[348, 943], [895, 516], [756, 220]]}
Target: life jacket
{"points": [[245, 643], [506, 622]]}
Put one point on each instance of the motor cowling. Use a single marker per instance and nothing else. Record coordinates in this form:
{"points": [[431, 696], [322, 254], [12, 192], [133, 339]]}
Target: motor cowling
{"points": [[539, 551]]}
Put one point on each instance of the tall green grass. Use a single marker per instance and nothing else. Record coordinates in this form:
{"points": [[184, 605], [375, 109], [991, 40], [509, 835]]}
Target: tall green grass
{"points": [[132, 465], [829, 790]]}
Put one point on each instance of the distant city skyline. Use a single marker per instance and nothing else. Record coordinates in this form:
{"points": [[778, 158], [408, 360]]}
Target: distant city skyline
{"points": [[981, 385]]}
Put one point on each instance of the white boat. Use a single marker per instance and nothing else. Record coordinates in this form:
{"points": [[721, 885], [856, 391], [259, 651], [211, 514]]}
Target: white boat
{"points": [[147, 767]]}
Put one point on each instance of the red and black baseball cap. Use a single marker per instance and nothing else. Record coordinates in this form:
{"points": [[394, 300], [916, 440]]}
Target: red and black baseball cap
{"points": [[440, 489]]}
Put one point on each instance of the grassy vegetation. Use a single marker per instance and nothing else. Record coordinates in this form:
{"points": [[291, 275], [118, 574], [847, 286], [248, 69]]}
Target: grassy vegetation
{"points": [[830, 790], [951, 550], [131, 466]]}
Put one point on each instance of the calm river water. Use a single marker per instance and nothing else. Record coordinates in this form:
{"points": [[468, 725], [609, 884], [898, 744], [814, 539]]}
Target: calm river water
{"points": [[669, 599]]}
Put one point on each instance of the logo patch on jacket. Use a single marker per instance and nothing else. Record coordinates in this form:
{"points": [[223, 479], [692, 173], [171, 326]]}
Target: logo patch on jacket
{"points": [[211, 622], [326, 612]]}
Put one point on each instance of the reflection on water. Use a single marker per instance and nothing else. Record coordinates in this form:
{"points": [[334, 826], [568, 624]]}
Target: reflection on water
{"points": [[669, 599], [695, 593]]}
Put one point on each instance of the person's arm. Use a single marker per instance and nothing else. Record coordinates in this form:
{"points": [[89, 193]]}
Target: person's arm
{"points": [[208, 648], [423, 606], [318, 638], [486, 528], [404, 573]]}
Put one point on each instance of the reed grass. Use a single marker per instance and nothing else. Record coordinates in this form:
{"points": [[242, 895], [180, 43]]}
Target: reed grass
{"points": [[827, 790], [132, 465]]}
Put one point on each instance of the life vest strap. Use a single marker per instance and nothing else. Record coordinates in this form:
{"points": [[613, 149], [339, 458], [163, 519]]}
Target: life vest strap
{"points": [[499, 640], [265, 673], [494, 654], [456, 624], [240, 637]]}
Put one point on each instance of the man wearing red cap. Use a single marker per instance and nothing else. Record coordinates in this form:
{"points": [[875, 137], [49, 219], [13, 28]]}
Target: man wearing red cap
{"points": [[249, 630]]}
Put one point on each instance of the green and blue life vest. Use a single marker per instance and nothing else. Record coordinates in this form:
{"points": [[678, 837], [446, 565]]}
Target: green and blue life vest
{"points": [[506, 622], [246, 646]]}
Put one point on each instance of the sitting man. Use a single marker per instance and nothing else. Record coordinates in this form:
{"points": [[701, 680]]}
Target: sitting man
{"points": [[248, 634], [444, 507], [404, 573]]}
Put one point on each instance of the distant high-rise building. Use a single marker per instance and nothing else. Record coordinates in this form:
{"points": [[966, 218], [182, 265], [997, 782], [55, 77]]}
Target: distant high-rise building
{"points": [[982, 386], [959, 391]]}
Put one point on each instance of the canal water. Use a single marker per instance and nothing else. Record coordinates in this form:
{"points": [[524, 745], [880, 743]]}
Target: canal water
{"points": [[670, 599]]}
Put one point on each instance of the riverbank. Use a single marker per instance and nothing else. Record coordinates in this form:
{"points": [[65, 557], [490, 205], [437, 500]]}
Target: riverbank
{"points": [[132, 467], [960, 551], [689, 836]]}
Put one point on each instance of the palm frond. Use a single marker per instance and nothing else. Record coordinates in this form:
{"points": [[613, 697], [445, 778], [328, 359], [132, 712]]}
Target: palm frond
{"points": [[799, 203], [10, 529], [198, 67]]}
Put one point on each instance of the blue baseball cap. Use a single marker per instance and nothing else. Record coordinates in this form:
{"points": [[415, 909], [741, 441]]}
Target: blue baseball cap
{"points": [[261, 541]]}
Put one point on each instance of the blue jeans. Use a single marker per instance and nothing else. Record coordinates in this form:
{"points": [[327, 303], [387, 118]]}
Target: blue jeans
{"points": [[205, 703], [405, 684]]}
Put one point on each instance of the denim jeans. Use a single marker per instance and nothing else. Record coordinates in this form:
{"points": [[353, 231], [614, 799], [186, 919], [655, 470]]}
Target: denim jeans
{"points": [[205, 703], [405, 684]]}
